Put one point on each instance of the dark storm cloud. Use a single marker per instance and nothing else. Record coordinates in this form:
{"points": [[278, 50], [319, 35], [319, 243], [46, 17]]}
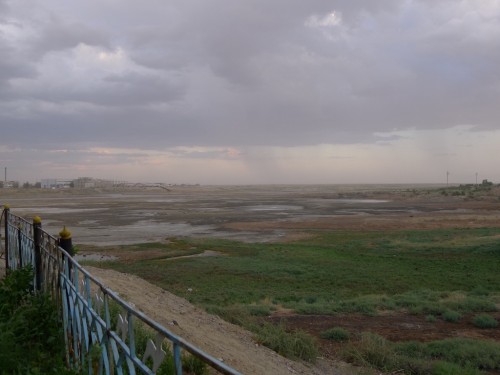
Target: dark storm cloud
{"points": [[125, 91], [158, 74], [10, 68], [56, 35]]}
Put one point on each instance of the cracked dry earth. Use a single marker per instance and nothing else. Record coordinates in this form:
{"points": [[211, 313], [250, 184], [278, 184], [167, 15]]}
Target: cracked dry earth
{"points": [[234, 345]]}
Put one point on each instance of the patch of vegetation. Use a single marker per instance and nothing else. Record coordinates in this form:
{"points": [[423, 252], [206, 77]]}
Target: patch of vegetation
{"points": [[451, 316], [357, 271], [336, 334], [430, 318], [425, 272], [477, 354], [31, 339], [296, 344], [484, 321], [193, 365], [259, 310], [469, 190], [452, 356], [415, 302]]}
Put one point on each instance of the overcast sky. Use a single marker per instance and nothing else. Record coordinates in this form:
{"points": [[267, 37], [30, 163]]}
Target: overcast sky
{"points": [[251, 91]]}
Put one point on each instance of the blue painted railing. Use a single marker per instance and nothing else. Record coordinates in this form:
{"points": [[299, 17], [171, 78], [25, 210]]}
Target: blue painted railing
{"points": [[103, 333]]}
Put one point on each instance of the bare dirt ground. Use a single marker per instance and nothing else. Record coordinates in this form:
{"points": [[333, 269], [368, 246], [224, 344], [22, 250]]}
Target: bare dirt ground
{"points": [[258, 214]]}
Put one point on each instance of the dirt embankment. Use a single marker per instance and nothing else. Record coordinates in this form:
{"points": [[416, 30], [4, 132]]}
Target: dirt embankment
{"points": [[234, 345]]}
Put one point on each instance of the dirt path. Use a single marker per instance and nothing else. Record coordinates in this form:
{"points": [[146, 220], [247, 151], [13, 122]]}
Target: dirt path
{"points": [[234, 345]]}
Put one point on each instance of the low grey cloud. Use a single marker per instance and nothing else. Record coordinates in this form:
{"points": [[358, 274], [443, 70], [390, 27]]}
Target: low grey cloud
{"points": [[56, 35]]}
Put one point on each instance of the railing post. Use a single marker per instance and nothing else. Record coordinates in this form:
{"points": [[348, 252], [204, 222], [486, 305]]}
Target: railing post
{"points": [[6, 212], [65, 241], [37, 239], [20, 245], [177, 359]]}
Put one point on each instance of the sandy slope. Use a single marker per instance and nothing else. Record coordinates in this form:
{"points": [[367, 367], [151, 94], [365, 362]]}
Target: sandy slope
{"points": [[215, 336]]}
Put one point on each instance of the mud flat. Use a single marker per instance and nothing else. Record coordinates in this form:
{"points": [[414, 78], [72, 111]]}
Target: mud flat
{"points": [[247, 213]]}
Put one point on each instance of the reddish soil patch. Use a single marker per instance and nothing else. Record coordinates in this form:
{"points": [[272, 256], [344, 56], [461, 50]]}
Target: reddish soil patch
{"points": [[394, 327]]}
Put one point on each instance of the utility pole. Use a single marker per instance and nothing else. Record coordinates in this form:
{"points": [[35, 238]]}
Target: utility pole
{"points": [[447, 175], [476, 178]]}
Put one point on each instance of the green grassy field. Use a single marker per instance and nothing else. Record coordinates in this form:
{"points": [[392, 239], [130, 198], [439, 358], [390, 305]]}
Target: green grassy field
{"points": [[336, 271], [441, 272]]}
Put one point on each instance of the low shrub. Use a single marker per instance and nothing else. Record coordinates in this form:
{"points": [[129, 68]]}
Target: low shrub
{"points": [[484, 321], [451, 316], [336, 334], [444, 357], [259, 310], [480, 291], [296, 344], [193, 365], [417, 302], [447, 368], [375, 351], [473, 304], [31, 339], [479, 354], [430, 318], [311, 299]]}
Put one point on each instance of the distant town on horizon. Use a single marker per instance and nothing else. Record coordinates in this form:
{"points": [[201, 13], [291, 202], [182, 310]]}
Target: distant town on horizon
{"points": [[97, 183]]}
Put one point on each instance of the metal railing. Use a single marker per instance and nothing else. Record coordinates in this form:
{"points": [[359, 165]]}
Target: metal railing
{"points": [[103, 333]]}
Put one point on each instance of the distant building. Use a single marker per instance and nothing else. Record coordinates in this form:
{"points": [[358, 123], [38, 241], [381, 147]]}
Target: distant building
{"points": [[79, 183], [48, 183], [89, 183], [53, 183], [9, 184], [84, 183]]}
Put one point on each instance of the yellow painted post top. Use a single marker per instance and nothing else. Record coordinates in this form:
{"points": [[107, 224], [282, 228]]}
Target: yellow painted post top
{"points": [[6, 206], [65, 234], [37, 220]]}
